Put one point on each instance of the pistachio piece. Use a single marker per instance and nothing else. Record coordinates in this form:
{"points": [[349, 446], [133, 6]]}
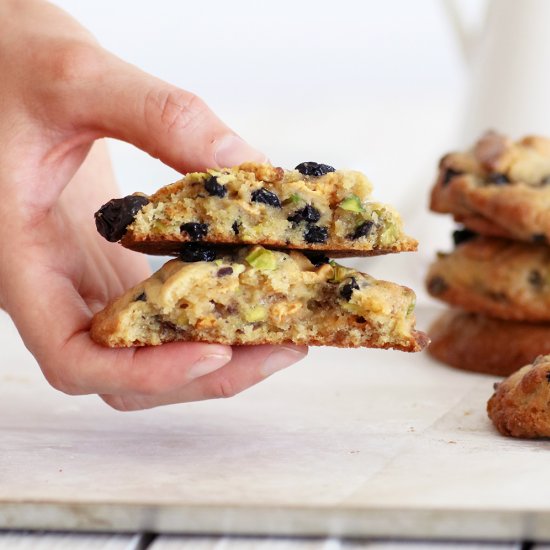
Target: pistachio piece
{"points": [[339, 272], [352, 203], [260, 258], [389, 235], [255, 314]]}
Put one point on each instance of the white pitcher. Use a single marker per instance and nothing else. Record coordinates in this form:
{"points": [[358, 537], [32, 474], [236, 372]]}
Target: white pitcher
{"points": [[509, 63]]}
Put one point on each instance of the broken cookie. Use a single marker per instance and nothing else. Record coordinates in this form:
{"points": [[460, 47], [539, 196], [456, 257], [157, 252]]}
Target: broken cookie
{"points": [[313, 207], [252, 295]]}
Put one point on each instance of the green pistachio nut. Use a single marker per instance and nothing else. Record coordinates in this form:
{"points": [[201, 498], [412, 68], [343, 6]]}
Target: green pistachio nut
{"points": [[352, 204], [260, 258], [257, 313], [339, 272], [389, 235]]}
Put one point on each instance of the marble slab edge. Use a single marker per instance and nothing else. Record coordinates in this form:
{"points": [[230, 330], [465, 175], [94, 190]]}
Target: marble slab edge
{"points": [[379, 522]]}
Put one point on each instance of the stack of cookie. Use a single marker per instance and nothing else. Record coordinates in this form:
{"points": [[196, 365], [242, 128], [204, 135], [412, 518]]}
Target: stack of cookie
{"points": [[499, 272], [252, 246]]}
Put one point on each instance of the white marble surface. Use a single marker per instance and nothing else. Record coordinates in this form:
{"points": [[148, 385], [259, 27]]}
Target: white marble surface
{"points": [[77, 541], [349, 443], [254, 543], [70, 541]]}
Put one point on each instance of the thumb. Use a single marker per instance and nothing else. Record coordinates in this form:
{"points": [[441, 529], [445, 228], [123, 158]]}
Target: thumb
{"points": [[167, 122]]}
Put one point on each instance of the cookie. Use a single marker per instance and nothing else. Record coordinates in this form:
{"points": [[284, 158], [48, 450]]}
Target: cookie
{"points": [[498, 188], [313, 207], [472, 342], [520, 406], [253, 295], [497, 277]]}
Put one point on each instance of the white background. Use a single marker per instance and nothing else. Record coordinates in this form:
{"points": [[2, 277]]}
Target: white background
{"points": [[372, 85]]}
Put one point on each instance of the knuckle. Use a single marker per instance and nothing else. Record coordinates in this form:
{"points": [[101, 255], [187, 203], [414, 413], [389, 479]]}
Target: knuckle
{"points": [[119, 403], [75, 61], [58, 378], [174, 110], [146, 385], [225, 387]]}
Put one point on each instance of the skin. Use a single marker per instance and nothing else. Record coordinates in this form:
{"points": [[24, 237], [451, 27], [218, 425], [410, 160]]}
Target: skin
{"points": [[60, 94]]}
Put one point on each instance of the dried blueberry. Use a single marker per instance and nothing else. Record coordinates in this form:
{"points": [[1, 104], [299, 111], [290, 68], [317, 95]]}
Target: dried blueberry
{"points": [[362, 230], [437, 285], [497, 178], [540, 238], [114, 217], [360, 319], [317, 258], [266, 197], [306, 214], [347, 290], [224, 271], [449, 175], [214, 188], [197, 252], [548, 376], [236, 227], [535, 278], [314, 169], [197, 231], [315, 234], [463, 235], [141, 298]]}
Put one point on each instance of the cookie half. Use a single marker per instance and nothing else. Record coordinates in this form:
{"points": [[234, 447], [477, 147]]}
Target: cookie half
{"points": [[313, 207], [259, 296], [520, 406], [497, 277], [472, 342], [498, 188]]}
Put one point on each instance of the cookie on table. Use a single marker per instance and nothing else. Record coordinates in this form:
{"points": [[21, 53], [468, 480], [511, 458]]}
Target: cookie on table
{"points": [[498, 188], [313, 207], [253, 295], [497, 277], [473, 342], [520, 405]]}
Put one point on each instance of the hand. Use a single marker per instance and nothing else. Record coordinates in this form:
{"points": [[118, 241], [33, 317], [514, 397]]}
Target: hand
{"points": [[59, 93]]}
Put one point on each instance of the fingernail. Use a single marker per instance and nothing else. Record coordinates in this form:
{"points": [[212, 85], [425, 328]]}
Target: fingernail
{"points": [[232, 150], [282, 358], [207, 364]]}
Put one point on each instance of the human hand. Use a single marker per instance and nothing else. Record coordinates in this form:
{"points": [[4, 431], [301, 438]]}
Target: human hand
{"points": [[60, 92]]}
